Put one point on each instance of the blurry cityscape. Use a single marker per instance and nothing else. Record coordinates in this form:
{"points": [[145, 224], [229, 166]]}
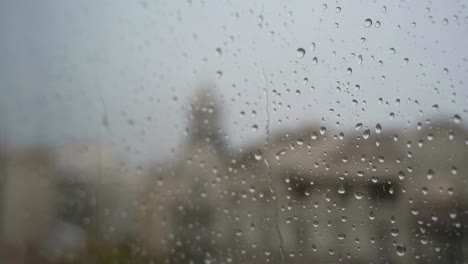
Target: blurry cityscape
{"points": [[308, 195]]}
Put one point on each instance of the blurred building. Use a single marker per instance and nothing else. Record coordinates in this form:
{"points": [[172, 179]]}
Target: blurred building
{"points": [[371, 195]]}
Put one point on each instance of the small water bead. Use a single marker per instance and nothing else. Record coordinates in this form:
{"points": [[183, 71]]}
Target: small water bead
{"points": [[341, 190], [401, 250], [358, 126], [323, 130], [366, 134], [430, 174], [378, 128], [454, 170], [300, 52], [359, 195], [377, 24], [349, 71], [258, 155], [456, 119], [405, 61], [368, 22], [312, 46], [314, 60], [445, 22]]}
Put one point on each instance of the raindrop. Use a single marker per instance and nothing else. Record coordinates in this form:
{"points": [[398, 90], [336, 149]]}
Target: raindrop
{"points": [[323, 130], [405, 61], [315, 60], [341, 190], [300, 52], [378, 128], [366, 134], [445, 22], [456, 119], [258, 155], [358, 195], [358, 126], [349, 71], [368, 22], [400, 250], [430, 174], [312, 46]]}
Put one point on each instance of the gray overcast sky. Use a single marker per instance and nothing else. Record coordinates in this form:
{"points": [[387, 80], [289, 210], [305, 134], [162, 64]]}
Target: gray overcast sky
{"points": [[67, 63]]}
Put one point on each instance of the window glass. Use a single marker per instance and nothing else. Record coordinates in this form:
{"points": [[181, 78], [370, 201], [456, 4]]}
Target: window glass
{"points": [[205, 131]]}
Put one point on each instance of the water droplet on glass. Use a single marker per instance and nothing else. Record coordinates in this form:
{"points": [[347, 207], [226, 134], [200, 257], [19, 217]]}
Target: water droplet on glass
{"points": [[300, 52], [378, 128], [349, 71], [366, 134], [323, 130], [368, 22], [430, 174], [358, 195], [312, 46], [341, 190], [315, 60], [456, 119], [401, 250], [445, 22]]}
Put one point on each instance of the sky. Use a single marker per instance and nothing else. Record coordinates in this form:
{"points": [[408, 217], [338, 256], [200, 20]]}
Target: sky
{"points": [[125, 72]]}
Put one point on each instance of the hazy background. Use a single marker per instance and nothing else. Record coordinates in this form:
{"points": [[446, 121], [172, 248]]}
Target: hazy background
{"points": [[69, 68]]}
